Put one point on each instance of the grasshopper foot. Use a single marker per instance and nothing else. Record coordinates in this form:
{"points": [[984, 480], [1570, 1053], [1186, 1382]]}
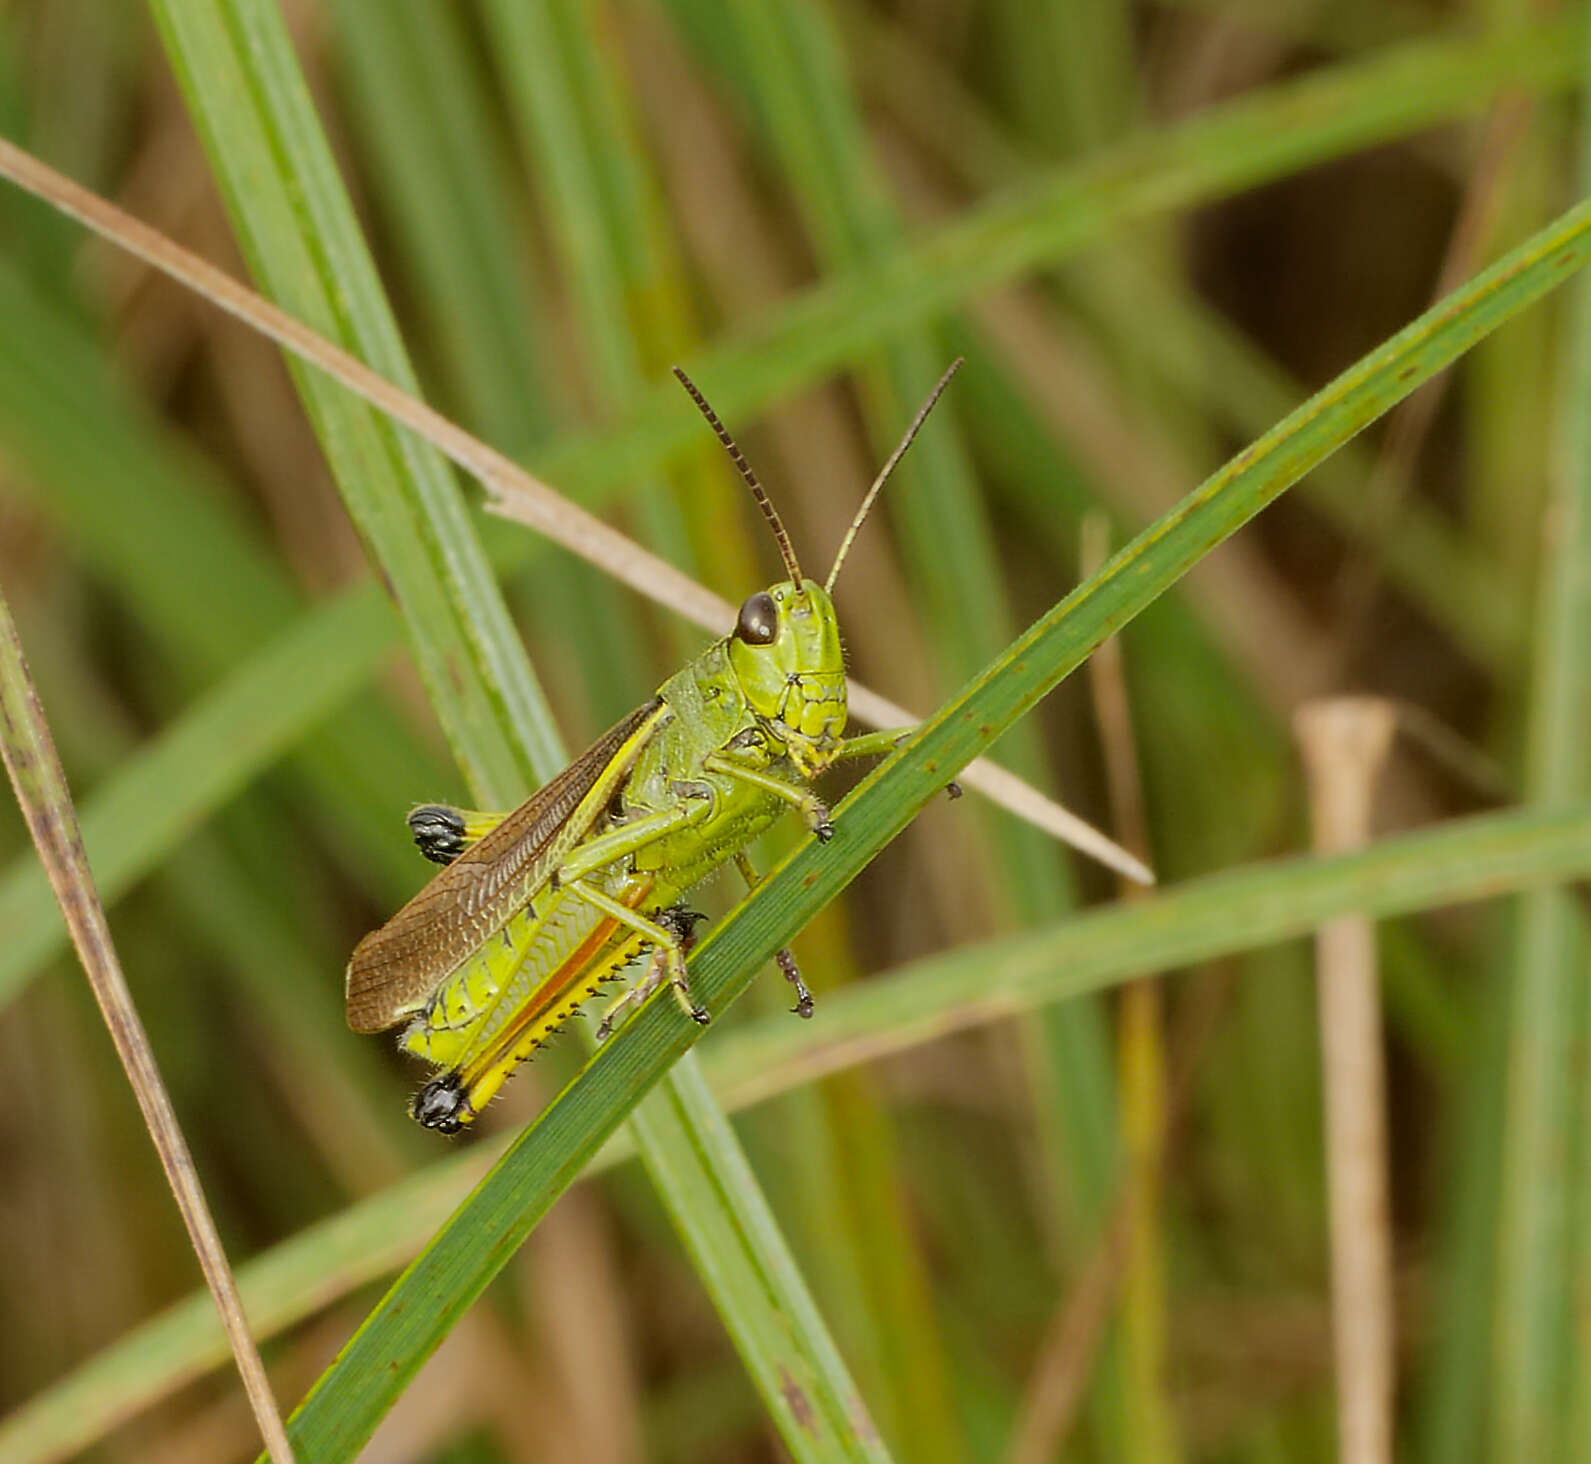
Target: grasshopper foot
{"points": [[953, 789], [681, 923], [817, 815], [442, 1105], [792, 973]]}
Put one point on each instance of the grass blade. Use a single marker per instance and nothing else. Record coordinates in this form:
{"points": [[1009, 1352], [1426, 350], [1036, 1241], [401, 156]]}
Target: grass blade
{"points": [[298, 231], [1537, 1358], [1241, 909], [420, 1308], [41, 789]]}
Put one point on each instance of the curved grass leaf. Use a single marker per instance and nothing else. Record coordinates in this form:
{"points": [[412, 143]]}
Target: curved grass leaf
{"points": [[1269, 134], [434, 1292], [1222, 915], [298, 229], [1325, 116]]}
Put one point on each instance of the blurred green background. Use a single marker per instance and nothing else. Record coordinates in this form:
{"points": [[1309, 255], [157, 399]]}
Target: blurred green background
{"points": [[563, 198]]}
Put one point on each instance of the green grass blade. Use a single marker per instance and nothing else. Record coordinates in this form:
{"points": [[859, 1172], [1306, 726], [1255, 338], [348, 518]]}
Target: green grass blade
{"points": [[1268, 134], [1222, 915], [302, 241], [433, 1292], [687, 1142], [298, 229], [1538, 1358]]}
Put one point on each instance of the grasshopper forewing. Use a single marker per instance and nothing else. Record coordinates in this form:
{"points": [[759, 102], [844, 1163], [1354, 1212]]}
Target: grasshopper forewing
{"points": [[536, 909], [396, 969]]}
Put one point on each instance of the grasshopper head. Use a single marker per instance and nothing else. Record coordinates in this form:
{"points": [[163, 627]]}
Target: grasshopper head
{"points": [[785, 652], [785, 649]]}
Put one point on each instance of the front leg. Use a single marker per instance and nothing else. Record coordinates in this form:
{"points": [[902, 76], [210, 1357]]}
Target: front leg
{"points": [[879, 744], [874, 744], [813, 809]]}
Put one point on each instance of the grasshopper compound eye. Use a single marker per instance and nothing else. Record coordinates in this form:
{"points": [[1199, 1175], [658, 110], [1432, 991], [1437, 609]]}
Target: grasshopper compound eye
{"points": [[758, 624]]}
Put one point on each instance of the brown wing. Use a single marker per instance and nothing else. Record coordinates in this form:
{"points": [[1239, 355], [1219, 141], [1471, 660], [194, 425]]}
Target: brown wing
{"points": [[393, 969]]}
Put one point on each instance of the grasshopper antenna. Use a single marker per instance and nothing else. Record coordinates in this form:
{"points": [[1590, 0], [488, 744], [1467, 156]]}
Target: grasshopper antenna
{"points": [[769, 512], [886, 470]]}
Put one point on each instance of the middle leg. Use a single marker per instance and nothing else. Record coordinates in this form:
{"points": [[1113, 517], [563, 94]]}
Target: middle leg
{"points": [[782, 957]]}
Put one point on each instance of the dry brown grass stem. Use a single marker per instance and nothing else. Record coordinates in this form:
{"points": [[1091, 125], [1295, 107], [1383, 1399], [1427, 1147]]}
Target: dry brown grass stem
{"points": [[514, 493], [46, 802], [1345, 742]]}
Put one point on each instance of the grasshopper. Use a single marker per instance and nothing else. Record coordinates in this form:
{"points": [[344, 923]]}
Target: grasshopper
{"points": [[537, 908]]}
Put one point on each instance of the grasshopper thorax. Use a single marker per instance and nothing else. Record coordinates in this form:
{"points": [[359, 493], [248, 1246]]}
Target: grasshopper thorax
{"points": [[785, 653]]}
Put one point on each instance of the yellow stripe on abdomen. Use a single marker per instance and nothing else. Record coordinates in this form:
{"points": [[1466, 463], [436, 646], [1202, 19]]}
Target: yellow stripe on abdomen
{"points": [[518, 990]]}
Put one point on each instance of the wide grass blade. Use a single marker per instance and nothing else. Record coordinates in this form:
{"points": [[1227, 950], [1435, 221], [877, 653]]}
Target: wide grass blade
{"points": [[1538, 1356], [422, 1306], [1223, 151], [299, 233]]}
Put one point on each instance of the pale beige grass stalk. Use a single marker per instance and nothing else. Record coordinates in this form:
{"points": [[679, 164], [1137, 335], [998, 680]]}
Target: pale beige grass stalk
{"points": [[512, 491]]}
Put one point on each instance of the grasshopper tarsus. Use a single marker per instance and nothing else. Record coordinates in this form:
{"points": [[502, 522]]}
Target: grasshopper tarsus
{"points": [[681, 921], [442, 1105], [701, 1016], [824, 831], [953, 790], [786, 963]]}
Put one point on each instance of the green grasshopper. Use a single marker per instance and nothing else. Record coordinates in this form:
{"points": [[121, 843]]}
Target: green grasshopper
{"points": [[537, 908]]}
